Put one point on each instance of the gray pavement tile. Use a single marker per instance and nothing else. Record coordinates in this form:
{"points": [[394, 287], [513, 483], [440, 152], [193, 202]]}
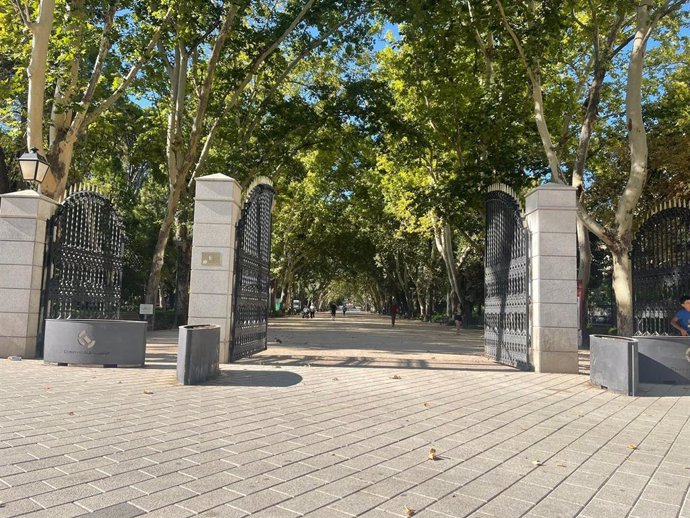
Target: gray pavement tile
{"points": [[174, 511], [111, 498], [551, 507], [81, 477], [210, 500], [163, 498], [13, 494], [344, 486], [604, 509], [60, 511], [505, 507], [18, 507], [327, 513], [206, 469], [665, 494], [165, 468], [456, 505], [253, 484], [357, 504], [117, 481], [259, 501], [308, 502], [332, 473], [646, 508], [628, 480], [122, 510], [275, 512], [67, 495], [299, 485], [522, 490], [210, 483], [26, 477], [397, 504], [150, 485]]}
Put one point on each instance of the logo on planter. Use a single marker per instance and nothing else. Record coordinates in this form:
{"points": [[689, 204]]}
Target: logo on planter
{"points": [[85, 340]]}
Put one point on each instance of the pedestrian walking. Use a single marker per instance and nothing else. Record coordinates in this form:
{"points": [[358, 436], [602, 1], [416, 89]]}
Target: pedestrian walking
{"points": [[457, 318], [312, 310], [394, 312], [334, 308]]}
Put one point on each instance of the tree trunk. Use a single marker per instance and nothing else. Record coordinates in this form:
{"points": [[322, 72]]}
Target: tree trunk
{"points": [[162, 242], [36, 73], [583, 275], [183, 245], [622, 289], [4, 173]]}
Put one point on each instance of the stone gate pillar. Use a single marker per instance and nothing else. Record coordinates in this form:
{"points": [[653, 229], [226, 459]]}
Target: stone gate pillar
{"points": [[217, 207], [551, 216], [23, 217]]}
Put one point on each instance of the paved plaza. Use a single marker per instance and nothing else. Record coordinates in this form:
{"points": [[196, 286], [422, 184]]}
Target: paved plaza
{"points": [[337, 419]]}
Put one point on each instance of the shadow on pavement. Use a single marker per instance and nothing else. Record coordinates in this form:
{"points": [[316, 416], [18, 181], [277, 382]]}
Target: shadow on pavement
{"points": [[251, 378], [358, 361]]}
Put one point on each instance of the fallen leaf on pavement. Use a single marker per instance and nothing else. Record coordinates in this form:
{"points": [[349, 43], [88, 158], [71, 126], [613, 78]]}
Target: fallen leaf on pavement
{"points": [[432, 454], [537, 463], [408, 511], [148, 392], [395, 377], [632, 446]]}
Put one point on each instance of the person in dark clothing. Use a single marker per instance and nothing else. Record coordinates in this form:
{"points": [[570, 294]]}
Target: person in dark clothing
{"points": [[394, 312], [457, 318], [334, 308]]}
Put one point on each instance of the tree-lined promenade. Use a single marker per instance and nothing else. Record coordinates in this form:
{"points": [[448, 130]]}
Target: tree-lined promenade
{"points": [[381, 126]]}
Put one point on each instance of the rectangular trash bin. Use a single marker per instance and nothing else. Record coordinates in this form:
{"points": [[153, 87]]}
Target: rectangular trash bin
{"points": [[198, 348]]}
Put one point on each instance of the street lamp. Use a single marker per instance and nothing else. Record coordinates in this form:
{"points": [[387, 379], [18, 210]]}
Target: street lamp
{"points": [[34, 166]]}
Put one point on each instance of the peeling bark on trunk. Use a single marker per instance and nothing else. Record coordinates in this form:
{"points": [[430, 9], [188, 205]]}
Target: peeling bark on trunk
{"points": [[36, 73], [584, 270], [183, 245], [622, 287]]}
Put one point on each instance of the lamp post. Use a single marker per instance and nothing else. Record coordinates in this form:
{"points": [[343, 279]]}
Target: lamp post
{"points": [[34, 167]]}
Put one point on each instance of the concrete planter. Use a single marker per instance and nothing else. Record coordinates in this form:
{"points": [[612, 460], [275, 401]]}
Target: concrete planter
{"points": [[95, 342], [614, 363], [198, 350], [664, 359]]}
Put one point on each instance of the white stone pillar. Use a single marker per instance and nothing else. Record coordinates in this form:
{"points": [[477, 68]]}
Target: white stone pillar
{"points": [[551, 216], [23, 217], [217, 208]]}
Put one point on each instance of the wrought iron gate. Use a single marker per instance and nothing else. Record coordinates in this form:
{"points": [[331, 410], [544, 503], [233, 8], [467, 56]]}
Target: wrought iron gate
{"points": [[82, 275], [506, 280], [661, 268], [252, 260]]}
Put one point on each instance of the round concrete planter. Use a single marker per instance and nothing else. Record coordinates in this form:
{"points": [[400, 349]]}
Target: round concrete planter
{"points": [[95, 342], [664, 359]]}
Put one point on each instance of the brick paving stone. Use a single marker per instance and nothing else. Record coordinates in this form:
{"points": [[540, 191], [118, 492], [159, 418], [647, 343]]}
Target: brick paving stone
{"points": [[111, 498], [551, 506], [150, 484], [308, 502], [18, 507], [647, 508], [604, 509], [210, 500], [123, 510], [60, 511], [67, 495], [163, 498], [505, 507], [172, 511], [210, 483], [258, 501], [357, 504], [456, 505]]}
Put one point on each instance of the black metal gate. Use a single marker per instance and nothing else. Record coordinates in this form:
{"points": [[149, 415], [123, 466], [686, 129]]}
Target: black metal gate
{"points": [[661, 268], [252, 261], [506, 280], [85, 244]]}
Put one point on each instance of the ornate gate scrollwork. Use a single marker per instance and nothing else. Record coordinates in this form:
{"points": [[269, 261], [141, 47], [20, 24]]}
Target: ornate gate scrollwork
{"points": [[252, 262], [84, 260], [506, 280], [661, 268]]}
